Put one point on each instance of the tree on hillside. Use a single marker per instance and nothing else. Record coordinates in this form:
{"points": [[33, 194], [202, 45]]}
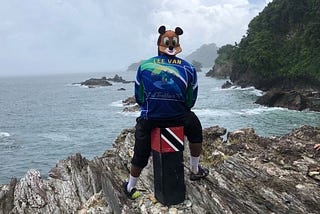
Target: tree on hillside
{"points": [[224, 54]]}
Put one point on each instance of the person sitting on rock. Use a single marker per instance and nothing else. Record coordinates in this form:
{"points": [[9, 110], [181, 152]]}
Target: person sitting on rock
{"points": [[166, 89]]}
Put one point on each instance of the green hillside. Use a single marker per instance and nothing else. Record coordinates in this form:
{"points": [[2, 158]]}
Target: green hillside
{"points": [[282, 44]]}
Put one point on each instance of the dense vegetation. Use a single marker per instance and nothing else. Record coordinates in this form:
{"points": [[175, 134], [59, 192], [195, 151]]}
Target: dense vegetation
{"points": [[282, 42], [225, 53]]}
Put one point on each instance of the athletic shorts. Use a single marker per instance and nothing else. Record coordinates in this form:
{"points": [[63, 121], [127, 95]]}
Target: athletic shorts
{"points": [[142, 147]]}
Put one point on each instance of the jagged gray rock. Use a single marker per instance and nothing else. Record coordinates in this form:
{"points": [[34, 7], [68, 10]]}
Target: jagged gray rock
{"points": [[222, 71], [131, 105], [248, 174], [291, 99]]}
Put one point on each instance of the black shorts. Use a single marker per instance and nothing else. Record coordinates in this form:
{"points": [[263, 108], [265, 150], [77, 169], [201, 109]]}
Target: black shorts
{"points": [[142, 147]]}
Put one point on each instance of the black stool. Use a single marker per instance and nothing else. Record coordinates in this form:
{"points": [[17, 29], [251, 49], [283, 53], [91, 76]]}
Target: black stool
{"points": [[167, 150]]}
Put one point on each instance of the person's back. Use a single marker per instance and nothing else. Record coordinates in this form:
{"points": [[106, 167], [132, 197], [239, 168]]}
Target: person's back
{"points": [[166, 87]]}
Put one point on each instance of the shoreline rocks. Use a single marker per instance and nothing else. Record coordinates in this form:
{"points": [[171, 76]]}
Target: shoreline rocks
{"points": [[130, 105], [248, 174], [292, 93], [220, 71], [291, 99]]}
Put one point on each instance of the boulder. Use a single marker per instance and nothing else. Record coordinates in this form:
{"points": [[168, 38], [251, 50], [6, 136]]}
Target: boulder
{"points": [[248, 174], [227, 84], [94, 82]]}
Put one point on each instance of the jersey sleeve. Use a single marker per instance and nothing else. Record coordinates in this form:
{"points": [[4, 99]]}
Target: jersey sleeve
{"points": [[139, 88], [192, 89]]}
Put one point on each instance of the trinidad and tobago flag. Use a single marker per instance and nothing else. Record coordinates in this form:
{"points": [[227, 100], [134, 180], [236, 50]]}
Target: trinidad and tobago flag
{"points": [[165, 140]]}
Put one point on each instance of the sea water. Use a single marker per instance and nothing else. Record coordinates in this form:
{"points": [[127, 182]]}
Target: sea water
{"points": [[47, 118]]}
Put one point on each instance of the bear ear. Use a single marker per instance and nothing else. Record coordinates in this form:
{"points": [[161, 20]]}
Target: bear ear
{"points": [[178, 31], [162, 29]]}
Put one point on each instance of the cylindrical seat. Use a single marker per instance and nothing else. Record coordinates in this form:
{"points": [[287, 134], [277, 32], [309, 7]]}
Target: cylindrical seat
{"points": [[167, 150]]}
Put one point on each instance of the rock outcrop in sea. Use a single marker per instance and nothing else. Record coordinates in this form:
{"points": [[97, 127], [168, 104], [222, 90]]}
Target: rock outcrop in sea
{"points": [[103, 81], [96, 82], [248, 174]]}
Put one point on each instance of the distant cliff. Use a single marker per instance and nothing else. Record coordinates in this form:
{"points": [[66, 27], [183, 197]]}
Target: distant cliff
{"points": [[248, 174], [206, 55]]}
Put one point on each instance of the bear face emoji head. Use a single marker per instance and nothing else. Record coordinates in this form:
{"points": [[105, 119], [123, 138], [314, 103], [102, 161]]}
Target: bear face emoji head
{"points": [[168, 41]]}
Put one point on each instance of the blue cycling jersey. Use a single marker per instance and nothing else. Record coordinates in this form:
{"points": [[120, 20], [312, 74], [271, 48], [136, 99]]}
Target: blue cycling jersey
{"points": [[165, 87]]}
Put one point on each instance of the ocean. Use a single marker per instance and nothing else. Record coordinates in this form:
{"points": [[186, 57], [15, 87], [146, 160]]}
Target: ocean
{"points": [[47, 118]]}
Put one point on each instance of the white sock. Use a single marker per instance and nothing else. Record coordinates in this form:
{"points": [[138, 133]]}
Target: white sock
{"points": [[194, 162], [132, 183]]}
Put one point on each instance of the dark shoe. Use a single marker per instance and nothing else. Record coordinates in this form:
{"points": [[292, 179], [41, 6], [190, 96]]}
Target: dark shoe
{"points": [[202, 173], [133, 194]]}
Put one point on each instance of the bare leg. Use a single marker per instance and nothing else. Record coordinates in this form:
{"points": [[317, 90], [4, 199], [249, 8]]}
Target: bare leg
{"points": [[195, 149], [135, 171]]}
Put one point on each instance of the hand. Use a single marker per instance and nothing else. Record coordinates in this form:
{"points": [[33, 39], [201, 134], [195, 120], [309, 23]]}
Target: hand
{"points": [[317, 146]]}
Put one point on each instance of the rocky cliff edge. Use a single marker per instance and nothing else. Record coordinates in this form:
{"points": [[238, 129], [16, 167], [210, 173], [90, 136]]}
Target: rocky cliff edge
{"points": [[248, 174]]}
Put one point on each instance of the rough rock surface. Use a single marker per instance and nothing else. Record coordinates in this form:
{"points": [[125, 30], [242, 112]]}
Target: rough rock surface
{"points": [[220, 71], [248, 174], [227, 84], [130, 105]]}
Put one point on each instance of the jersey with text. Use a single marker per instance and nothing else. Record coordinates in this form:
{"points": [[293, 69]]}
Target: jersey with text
{"points": [[165, 87]]}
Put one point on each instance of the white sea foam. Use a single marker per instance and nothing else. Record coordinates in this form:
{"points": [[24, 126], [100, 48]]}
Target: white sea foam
{"points": [[213, 112], [77, 85], [253, 90], [217, 89], [130, 114], [254, 111], [4, 134], [74, 84], [229, 112], [117, 103], [224, 89], [250, 90]]}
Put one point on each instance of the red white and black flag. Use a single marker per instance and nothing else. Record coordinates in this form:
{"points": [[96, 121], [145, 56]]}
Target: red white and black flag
{"points": [[167, 139]]}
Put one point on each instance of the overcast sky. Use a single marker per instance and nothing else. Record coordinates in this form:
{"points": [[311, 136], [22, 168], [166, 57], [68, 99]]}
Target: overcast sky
{"points": [[68, 36]]}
